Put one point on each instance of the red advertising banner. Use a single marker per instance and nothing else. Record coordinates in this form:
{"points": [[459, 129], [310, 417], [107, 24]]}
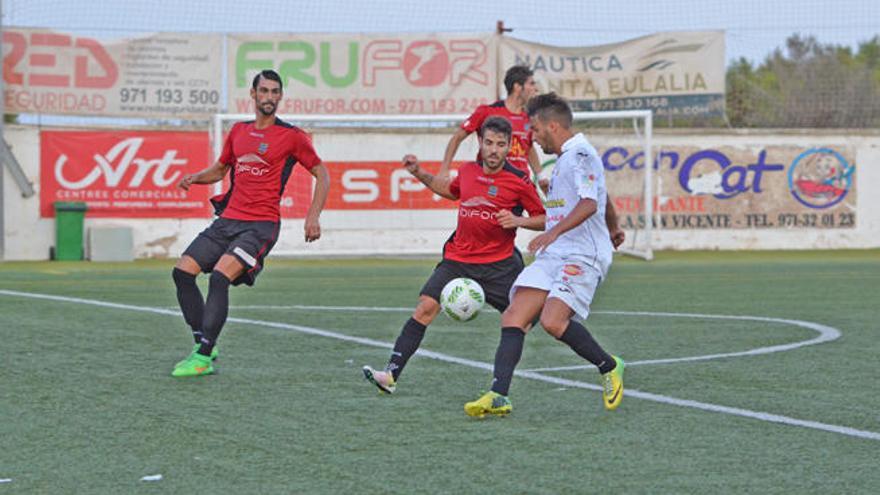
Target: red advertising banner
{"points": [[381, 186], [297, 195], [124, 174]]}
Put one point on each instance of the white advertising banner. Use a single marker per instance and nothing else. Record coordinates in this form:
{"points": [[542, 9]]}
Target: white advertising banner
{"points": [[677, 74], [366, 74], [166, 75]]}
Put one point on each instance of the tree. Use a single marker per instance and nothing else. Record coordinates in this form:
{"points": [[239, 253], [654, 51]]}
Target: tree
{"points": [[807, 85]]}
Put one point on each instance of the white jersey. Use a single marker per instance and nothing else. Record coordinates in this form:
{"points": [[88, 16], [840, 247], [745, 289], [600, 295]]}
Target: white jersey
{"points": [[579, 174]]}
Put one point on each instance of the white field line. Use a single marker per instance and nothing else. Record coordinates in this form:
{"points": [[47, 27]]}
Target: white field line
{"points": [[826, 333], [703, 406]]}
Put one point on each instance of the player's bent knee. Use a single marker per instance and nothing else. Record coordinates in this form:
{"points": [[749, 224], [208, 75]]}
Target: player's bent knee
{"points": [[427, 310], [229, 266], [554, 325], [187, 264], [219, 276], [513, 318], [182, 278]]}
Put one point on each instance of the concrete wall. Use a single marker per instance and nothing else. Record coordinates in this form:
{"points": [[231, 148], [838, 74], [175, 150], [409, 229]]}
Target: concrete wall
{"points": [[29, 237]]}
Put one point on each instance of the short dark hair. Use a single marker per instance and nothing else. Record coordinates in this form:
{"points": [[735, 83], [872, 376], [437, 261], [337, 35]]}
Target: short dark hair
{"points": [[518, 74], [549, 107], [497, 124], [267, 74]]}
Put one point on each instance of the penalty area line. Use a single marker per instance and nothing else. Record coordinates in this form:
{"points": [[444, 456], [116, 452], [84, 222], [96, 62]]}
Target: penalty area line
{"points": [[662, 399]]}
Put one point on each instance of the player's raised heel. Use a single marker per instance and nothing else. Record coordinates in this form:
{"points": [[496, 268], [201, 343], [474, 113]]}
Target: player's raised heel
{"points": [[382, 379], [491, 403]]}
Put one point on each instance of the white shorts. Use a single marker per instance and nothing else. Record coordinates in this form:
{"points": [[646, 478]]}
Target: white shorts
{"points": [[568, 278]]}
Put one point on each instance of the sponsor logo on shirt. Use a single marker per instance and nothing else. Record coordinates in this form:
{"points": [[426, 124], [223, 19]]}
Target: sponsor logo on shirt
{"points": [[493, 190], [476, 202], [261, 149], [244, 168], [572, 270], [554, 203], [476, 208], [589, 179], [251, 164]]}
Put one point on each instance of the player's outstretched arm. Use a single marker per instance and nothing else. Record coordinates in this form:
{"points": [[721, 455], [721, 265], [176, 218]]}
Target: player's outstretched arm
{"points": [[611, 220], [584, 209], [449, 154], [322, 186], [210, 175], [439, 186]]}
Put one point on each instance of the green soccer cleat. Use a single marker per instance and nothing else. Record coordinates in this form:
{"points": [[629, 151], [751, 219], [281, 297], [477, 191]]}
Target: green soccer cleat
{"points": [[382, 379], [612, 385], [194, 365], [490, 403], [214, 354]]}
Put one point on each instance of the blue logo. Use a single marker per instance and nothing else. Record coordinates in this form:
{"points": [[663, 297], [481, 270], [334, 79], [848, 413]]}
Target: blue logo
{"points": [[262, 148], [820, 178], [493, 191]]}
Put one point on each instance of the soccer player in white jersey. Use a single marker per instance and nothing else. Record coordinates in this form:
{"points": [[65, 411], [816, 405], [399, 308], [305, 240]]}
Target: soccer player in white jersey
{"points": [[573, 255]]}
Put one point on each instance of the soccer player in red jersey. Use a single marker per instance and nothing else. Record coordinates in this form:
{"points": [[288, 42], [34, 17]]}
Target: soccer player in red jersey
{"points": [[259, 155], [521, 87], [492, 194]]}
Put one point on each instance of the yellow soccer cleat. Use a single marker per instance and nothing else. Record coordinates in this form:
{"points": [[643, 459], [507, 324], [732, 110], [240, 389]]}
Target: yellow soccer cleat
{"points": [[490, 403], [612, 383]]}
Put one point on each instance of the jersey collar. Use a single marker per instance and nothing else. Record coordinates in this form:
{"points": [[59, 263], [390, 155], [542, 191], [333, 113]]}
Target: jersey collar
{"points": [[574, 141]]}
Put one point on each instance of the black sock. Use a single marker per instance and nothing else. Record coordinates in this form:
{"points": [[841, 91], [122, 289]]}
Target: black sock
{"points": [[406, 345], [579, 339], [192, 305], [216, 309], [506, 358]]}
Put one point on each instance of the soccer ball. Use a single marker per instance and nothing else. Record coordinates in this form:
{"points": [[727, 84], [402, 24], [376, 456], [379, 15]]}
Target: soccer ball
{"points": [[462, 299]]}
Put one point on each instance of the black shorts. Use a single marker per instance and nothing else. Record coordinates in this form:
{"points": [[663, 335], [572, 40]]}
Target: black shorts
{"points": [[495, 278], [248, 241]]}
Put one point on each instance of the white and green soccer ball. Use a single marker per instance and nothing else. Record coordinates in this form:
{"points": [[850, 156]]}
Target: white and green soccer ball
{"points": [[462, 299]]}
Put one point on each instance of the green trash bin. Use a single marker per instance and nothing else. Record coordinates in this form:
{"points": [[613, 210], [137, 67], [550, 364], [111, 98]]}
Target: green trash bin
{"points": [[69, 219]]}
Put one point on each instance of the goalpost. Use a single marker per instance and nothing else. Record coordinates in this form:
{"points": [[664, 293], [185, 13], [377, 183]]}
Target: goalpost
{"points": [[607, 131]]}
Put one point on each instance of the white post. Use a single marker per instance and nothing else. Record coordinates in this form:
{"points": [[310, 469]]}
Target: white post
{"points": [[649, 185], [217, 147]]}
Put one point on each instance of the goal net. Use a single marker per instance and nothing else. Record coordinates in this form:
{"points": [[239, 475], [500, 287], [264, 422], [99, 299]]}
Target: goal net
{"points": [[376, 208]]}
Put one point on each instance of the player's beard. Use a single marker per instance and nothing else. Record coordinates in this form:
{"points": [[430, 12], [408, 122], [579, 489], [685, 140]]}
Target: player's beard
{"points": [[498, 162], [271, 108]]}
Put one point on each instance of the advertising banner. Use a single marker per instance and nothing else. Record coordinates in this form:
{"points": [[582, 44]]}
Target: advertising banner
{"points": [[167, 75], [677, 74], [727, 187], [366, 74], [384, 185], [124, 174]]}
